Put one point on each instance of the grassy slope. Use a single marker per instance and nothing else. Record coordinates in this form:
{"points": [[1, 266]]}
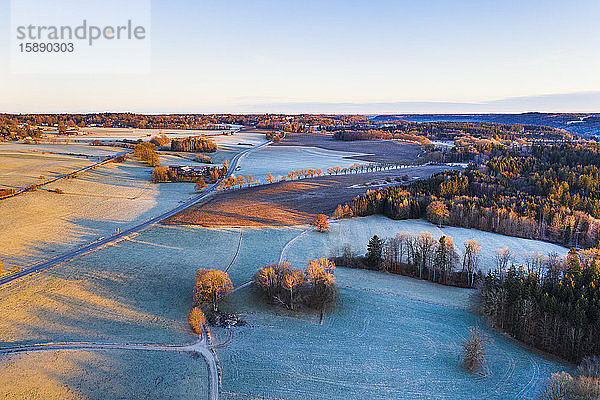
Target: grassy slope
{"points": [[357, 231]]}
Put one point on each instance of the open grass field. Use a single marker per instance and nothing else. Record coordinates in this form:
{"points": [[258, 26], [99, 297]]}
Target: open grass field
{"points": [[289, 203], [384, 340], [390, 336], [279, 160], [356, 233], [41, 223], [367, 150], [138, 291], [20, 168]]}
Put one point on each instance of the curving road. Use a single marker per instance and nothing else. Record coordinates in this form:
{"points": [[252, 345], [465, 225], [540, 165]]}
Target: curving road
{"points": [[202, 346], [78, 252]]}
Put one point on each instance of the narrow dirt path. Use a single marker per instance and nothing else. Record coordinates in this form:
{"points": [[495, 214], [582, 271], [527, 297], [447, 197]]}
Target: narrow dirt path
{"points": [[202, 346], [289, 244]]}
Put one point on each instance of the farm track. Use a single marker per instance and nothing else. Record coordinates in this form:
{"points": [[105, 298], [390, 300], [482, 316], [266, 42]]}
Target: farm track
{"points": [[237, 251], [202, 346], [287, 246]]}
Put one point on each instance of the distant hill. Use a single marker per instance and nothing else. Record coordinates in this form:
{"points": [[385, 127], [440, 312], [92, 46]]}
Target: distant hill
{"points": [[582, 124]]}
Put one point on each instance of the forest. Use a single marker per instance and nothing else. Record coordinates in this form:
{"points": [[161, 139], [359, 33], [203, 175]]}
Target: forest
{"points": [[556, 310], [423, 132], [547, 192]]}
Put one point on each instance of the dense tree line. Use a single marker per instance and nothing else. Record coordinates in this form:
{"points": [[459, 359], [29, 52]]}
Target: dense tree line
{"points": [[350, 135], [194, 145], [419, 256], [556, 309], [550, 193]]}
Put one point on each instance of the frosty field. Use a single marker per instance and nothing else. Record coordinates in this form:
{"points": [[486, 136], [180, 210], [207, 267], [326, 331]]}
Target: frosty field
{"points": [[356, 233], [40, 223], [279, 160], [20, 168], [390, 336], [379, 343]]}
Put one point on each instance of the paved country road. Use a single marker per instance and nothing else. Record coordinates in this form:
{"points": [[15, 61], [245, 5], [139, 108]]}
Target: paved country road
{"points": [[58, 178], [79, 251]]}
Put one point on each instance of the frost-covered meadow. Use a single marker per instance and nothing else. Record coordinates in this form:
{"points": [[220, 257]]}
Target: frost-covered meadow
{"points": [[390, 336], [279, 160], [38, 224], [356, 233]]}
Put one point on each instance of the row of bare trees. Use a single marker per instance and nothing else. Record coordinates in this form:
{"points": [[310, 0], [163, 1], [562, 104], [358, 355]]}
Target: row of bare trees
{"points": [[435, 260], [237, 181]]}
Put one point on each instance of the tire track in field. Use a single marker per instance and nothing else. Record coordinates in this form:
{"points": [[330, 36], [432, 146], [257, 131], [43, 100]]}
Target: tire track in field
{"points": [[237, 251], [289, 244]]}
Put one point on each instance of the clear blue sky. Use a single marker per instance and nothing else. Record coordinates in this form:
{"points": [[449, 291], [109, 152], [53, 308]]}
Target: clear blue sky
{"points": [[334, 55]]}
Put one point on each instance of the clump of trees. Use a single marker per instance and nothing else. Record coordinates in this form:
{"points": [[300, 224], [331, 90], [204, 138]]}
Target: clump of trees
{"points": [[274, 136], [160, 140], [314, 288], [320, 223], [200, 185], [202, 158], [420, 256], [146, 152], [473, 352], [198, 144], [213, 174], [160, 174], [210, 287], [437, 213], [555, 309]]}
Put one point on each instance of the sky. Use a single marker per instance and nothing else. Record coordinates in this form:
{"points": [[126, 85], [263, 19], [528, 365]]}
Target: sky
{"points": [[377, 56]]}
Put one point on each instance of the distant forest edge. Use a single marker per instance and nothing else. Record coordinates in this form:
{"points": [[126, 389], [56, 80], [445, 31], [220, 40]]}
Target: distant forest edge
{"points": [[581, 124], [15, 126]]}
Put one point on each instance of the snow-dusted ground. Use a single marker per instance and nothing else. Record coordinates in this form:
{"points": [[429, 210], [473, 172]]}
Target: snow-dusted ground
{"points": [[357, 232], [279, 160], [390, 336], [40, 224]]}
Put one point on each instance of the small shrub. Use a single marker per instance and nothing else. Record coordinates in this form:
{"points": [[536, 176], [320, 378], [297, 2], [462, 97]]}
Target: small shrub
{"points": [[473, 351]]}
